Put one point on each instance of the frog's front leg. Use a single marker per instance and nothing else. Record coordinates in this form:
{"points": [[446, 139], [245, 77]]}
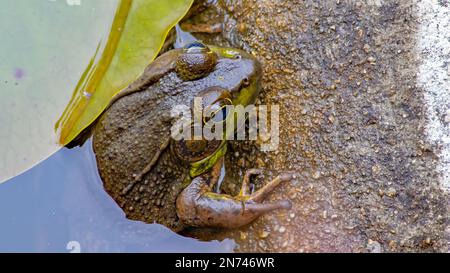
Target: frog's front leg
{"points": [[198, 206]]}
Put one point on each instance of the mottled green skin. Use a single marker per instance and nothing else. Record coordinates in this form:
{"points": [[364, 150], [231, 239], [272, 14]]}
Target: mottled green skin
{"points": [[138, 121]]}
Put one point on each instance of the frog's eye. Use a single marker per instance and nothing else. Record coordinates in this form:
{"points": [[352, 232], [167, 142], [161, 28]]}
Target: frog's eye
{"points": [[196, 61]]}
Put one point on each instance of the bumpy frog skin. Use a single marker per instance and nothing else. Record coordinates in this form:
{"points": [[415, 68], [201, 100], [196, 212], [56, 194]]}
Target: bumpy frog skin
{"points": [[154, 178]]}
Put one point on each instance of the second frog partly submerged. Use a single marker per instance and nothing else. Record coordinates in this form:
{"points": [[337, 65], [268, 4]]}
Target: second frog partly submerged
{"points": [[155, 178]]}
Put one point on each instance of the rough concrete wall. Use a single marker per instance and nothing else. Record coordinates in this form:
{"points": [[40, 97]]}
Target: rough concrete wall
{"points": [[355, 122]]}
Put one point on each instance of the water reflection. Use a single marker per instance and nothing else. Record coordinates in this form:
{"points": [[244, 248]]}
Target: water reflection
{"points": [[62, 200]]}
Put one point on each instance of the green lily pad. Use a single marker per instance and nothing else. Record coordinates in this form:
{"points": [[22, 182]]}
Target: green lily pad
{"points": [[138, 33], [45, 49]]}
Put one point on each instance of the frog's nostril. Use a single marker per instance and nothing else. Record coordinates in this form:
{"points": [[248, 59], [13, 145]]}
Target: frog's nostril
{"points": [[238, 56], [246, 81]]}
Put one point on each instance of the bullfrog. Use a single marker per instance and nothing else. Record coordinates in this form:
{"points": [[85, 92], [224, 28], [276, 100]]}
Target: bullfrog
{"points": [[155, 178]]}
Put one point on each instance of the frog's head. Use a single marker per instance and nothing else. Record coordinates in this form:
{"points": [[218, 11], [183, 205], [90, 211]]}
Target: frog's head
{"points": [[242, 77], [241, 86], [221, 76], [211, 66], [227, 76]]}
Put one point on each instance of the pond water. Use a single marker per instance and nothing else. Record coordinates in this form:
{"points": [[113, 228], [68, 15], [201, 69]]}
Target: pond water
{"points": [[61, 203]]}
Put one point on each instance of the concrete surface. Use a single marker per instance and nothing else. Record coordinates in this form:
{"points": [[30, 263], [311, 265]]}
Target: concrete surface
{"points": [[363, 88]]}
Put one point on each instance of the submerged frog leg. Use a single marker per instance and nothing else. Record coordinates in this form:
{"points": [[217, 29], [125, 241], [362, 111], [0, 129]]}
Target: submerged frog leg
{"points": [[147, 168]]}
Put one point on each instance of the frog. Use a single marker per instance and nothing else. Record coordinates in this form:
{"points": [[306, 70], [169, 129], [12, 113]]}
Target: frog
{"points": [[158, 179]]}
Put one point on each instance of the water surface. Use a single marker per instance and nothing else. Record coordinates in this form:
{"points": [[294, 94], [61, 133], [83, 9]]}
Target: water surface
{"points": [[62, 200]]}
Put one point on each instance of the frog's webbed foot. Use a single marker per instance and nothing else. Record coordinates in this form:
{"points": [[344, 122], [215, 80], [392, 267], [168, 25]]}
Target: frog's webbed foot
{"points": [[261, 194], [198, 206], [138, 177]]}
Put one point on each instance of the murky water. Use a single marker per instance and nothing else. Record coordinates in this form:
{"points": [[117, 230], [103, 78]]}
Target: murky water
{"points": [[61, 203]]}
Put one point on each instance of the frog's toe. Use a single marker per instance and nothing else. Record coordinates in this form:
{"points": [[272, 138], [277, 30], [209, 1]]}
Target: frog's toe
{"points": [[275, 205], [257, 209], [287, 176], [262, 193], [285, 204]]}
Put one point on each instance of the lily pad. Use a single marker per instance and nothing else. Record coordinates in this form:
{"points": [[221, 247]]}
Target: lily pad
{"points": [[45, 49], [138, 33]]}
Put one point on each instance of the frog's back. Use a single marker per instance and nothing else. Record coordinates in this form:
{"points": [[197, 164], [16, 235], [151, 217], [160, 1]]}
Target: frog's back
{"points": [[126, 138]]}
